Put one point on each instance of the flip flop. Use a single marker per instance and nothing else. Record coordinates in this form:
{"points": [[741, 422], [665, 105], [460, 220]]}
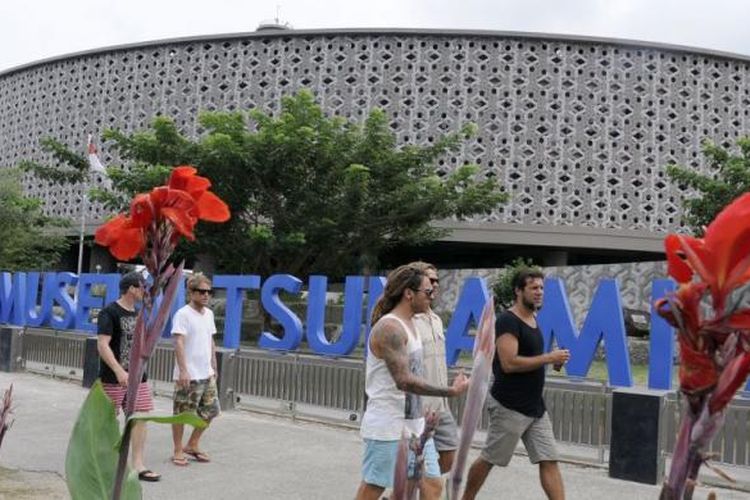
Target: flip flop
{"points": [[180, 461], [149, 475], [199, 456]]}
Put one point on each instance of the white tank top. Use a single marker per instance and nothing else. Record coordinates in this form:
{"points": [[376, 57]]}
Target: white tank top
{"points": [[390, 410]]}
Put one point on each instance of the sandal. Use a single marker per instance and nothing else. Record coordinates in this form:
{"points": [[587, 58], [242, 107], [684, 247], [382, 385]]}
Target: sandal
{"points": [[180, 461], [149, 475], [199, 456]]}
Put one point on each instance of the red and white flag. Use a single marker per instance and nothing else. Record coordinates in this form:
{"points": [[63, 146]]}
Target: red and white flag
{"points": [[94, 163]]}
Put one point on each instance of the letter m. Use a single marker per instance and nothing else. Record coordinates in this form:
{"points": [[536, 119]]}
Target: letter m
{"points": [[603, 321]]}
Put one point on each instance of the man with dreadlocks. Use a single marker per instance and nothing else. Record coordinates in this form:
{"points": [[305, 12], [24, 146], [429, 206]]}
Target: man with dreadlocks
{"points": [[393, 383]]}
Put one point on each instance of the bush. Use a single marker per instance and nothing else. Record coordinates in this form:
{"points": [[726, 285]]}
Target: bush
{"points": [[502, 288]]}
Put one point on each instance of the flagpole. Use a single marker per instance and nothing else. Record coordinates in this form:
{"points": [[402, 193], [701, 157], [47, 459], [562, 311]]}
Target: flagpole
{"points": [[82, 233], [81, 236]]}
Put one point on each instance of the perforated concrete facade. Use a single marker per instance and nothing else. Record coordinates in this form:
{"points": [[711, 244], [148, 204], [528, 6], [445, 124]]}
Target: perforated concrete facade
{"points": [[577, 130]]}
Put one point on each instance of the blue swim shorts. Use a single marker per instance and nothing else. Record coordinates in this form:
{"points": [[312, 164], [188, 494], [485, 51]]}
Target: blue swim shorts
{"points": [[379, 462]]}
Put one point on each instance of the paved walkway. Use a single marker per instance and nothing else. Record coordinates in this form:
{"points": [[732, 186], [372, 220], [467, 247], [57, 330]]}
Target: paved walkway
{"points": [[257, 456]]}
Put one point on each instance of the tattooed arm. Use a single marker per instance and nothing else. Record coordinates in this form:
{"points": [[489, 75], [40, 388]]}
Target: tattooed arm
{"points": [[388, 342]]}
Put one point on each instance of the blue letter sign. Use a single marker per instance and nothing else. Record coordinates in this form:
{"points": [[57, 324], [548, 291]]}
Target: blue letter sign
{"points": [[604, 321], [468, 312], [21, 304], [290, 323]]}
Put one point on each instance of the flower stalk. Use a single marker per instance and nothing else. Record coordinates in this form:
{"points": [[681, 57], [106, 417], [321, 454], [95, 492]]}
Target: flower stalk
{"points": [[152, 230]]}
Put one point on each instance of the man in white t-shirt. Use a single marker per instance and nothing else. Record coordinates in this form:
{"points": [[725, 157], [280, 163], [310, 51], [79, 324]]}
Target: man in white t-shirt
{"points": [[193, 329]]}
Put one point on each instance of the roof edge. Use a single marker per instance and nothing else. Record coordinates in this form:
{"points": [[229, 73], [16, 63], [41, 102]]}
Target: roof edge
{"points": [[558, 37]]}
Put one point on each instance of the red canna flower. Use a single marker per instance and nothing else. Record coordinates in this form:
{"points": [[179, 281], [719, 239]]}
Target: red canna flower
{"points": [[180, 204], [732, 378], [124, 239], [698, 372], [210, 207], [680, 270], [714, 345], [721, 258]]}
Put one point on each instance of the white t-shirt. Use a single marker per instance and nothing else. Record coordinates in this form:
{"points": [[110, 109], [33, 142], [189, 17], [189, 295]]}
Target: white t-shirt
{"points": [[198, 329]]}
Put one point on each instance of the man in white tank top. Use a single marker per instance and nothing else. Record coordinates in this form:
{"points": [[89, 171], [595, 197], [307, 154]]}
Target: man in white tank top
{"points": [[393, 383]]}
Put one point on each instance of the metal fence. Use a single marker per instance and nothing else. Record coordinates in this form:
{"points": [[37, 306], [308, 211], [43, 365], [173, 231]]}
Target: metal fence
{"points": [[299, 384], [580, 413], [53, 352], [161, 365]]}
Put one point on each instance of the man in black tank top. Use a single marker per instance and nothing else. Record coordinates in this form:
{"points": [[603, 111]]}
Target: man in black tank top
{"points": [[516, 406]]}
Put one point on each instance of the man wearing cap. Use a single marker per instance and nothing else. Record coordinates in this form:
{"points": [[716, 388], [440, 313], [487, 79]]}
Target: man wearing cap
{"points": [[115, 330]]}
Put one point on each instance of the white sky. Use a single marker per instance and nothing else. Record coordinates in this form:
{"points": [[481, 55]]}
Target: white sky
{"points": [[31, 30]]}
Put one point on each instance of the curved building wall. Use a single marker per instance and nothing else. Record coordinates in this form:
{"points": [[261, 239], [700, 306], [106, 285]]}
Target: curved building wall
{"points": [[577, 130]]}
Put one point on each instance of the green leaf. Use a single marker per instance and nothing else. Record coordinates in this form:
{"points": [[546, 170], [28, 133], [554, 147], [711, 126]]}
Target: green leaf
{"points": [[91, 459], [186, 418], [131, 488]]}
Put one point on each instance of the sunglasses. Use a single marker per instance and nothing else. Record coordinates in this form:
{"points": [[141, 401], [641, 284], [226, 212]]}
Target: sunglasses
{"points": [[204, 291], [427, 291]]}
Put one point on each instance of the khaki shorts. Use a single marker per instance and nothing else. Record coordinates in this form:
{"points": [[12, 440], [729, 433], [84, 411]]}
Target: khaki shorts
{"points": [[446, 432], [508, 426]]}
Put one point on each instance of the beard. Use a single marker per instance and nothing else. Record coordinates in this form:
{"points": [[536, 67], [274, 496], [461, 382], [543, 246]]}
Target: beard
{"points": [[530, 305], [418, 308]]}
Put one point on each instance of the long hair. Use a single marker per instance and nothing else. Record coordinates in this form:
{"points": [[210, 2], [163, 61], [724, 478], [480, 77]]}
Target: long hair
{"points": [[401, 278]]}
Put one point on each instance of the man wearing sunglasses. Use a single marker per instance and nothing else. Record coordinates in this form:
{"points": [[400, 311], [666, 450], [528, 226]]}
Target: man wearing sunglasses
{"points": [[394, 383], [430, 329], [193, 329]]}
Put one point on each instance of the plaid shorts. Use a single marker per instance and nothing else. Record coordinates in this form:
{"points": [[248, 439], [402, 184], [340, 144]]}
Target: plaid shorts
{"points": [[201, 396], [143, 400]]}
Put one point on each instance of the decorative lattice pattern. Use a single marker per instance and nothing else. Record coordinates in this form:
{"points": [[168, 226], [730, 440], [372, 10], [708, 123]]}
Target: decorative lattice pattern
{"points": [[578, 131]]}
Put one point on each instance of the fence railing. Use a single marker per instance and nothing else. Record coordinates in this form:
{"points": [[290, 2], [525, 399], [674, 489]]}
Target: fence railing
{"points": [[52, 351], [299, 384], [332, 389]]}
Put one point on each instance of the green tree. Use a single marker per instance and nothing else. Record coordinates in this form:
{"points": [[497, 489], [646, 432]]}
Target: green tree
{"points": [[308, 193], [728, 178], [30, 240]]}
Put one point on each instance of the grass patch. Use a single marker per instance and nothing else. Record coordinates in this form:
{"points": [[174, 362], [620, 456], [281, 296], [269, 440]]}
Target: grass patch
{"points": [[598, 372]]}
